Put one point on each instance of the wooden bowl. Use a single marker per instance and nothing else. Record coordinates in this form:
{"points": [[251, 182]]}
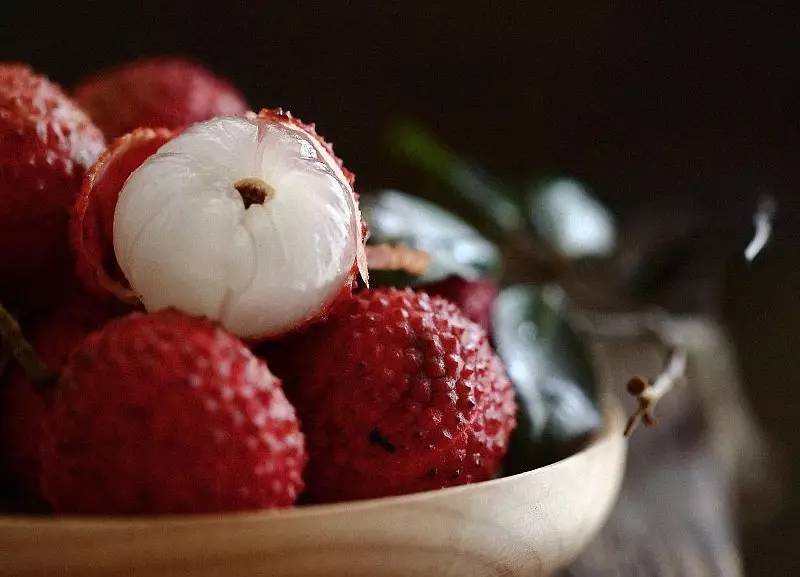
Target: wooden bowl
{"points": [[528, 524]]}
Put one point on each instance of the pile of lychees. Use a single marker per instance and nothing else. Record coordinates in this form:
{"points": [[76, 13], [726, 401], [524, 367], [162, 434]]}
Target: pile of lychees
{"points": [[164, 280]]}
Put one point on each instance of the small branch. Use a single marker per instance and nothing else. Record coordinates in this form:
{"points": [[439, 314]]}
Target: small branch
{"points": [[22, 351], [398, 257], [655, 324], [649, 393]]}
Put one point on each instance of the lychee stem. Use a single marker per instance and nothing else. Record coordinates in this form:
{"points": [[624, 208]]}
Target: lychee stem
{"points": [[253, 190], [23, 351]]}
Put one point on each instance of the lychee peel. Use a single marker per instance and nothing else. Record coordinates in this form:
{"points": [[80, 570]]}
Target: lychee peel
{"points": [[93, 213]]}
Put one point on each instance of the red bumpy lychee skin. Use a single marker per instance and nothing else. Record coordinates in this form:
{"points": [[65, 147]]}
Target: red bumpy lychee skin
{"points": [[474, 297], [24, 405], [165, 413], [46, 145], [157, 92], [398, 393]]}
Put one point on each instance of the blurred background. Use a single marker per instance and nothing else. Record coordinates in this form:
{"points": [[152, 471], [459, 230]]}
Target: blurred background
{"points": [[678, 119]]}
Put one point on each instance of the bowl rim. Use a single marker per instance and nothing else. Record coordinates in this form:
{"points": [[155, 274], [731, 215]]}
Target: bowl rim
{"points": [[612, 424]]}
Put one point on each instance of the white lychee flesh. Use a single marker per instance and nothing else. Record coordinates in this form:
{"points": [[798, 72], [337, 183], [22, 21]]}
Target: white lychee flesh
{"points": [[184, 238]]}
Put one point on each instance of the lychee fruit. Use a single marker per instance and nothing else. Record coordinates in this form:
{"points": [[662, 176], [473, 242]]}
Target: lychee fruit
{"points": [[166, 92], [24, 403], [166, 413], [46, 145], [248, 220], [398, 393]]}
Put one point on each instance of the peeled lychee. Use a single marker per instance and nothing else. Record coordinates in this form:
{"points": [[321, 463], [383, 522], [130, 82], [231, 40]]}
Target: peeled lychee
{"points": [[247, 220], [156, 92]]}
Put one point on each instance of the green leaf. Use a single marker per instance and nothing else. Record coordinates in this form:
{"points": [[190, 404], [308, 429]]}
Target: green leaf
{"points": [[552, 372], [564, 213], [475, 191], [455, 247]]}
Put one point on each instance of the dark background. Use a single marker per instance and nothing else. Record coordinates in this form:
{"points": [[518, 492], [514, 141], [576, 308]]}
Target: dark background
{"points": [[666, 112]]}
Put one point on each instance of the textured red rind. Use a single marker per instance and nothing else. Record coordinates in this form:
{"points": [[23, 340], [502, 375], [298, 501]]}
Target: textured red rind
{"points": [[474, 297], [23, 407], [92, 222], [163, 91], [166, 413], [46, 144], [398, 393]]}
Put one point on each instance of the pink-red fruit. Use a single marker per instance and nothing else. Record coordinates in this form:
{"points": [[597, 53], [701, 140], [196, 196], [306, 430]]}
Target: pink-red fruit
{"points": [[166, 413]]}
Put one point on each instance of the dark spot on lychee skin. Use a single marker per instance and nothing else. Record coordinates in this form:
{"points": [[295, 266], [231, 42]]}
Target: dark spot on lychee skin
{"points": [[377, 438], [253, 191], [431, 474]]}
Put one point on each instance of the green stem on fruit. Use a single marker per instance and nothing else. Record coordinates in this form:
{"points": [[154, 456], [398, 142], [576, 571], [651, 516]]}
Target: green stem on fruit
{"points": [[23, 351]]}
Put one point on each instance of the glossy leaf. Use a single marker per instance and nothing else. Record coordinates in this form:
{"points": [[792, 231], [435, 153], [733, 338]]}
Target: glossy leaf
{"points": [[456, 248], [552, 372], [468, 187], [564, 213]]}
